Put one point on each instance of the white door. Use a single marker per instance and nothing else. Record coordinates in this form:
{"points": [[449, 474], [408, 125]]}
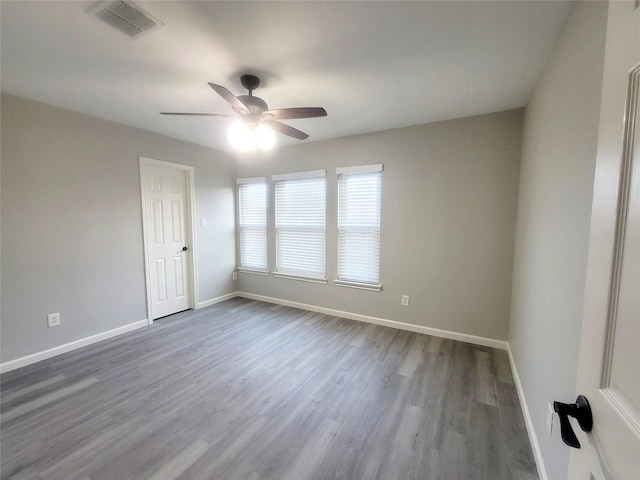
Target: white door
{"points": [[609, 365], [167, 247]]}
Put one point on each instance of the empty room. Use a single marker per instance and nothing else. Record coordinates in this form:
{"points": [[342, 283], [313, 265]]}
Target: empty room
{"points": [[320, 240]]}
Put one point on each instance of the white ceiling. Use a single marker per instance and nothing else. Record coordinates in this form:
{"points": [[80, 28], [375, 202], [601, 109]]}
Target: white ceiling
{"points": [[372, 65]]}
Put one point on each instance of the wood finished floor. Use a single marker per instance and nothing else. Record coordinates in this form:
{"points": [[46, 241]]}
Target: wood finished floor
{"points": [[247, 390]]}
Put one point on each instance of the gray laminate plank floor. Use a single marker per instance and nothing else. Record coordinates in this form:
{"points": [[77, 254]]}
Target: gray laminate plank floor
{"points": [[248, 390]]}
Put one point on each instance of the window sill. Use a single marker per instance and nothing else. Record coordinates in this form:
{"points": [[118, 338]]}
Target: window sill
{"points": [[301, 278], [253, 272], [359, 286]]}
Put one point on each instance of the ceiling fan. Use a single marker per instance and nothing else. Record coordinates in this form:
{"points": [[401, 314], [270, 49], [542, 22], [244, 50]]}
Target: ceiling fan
{"points": [[256, 111]]}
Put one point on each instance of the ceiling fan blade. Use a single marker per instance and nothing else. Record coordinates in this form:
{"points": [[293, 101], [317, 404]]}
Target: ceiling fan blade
{"points": [[286, 130], [197, 114], [230, 98], [298, 112]]}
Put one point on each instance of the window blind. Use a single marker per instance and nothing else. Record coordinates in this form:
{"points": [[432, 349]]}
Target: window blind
{"points": [[359, 207], [252, 200], [300, 217]]}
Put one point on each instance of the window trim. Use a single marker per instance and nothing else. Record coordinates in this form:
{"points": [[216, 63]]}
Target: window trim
{"points": [[252, 271], [301, 278], [372, 168], [373, 287], [299, 175], [242, 181]]}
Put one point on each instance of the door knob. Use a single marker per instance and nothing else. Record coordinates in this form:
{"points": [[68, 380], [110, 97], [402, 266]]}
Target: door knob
{"points": [[185, 248], [581, 411]]}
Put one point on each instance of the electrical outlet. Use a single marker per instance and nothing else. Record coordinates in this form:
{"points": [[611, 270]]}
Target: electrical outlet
{"points": [[53, 319], [405, 300], [235, 275], [203, 222], [550, 413]]}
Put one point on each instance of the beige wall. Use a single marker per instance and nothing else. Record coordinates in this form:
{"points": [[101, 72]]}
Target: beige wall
{"points": [[556, 180], [72, 223], [448, 220]]}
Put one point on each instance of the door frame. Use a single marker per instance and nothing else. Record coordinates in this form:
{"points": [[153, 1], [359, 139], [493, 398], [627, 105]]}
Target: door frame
{"points": [[192, 276]]}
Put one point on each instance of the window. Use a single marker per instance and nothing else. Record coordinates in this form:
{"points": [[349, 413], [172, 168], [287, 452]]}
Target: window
{"points": [[252, 212], [359, 205], [301, 225]]}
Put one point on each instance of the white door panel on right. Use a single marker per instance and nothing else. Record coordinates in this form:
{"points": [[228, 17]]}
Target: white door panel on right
{"points": [[609, 365]]}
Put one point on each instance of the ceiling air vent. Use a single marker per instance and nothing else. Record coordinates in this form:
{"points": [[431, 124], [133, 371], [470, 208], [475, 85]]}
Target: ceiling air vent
{"points": [[126, 17]]}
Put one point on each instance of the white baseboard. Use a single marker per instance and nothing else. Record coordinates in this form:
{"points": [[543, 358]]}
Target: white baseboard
{"points": [[213, 301], [67, 347], [83, 342], [436, 332], [533, 438]]}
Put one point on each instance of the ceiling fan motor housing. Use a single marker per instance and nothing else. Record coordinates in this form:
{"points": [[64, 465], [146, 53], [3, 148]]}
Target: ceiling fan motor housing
{"points": [[255, 104]]}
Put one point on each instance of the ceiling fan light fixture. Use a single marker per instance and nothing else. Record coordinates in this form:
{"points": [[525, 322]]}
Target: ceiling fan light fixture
{"points": [[265, 137], [249, 137]]}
